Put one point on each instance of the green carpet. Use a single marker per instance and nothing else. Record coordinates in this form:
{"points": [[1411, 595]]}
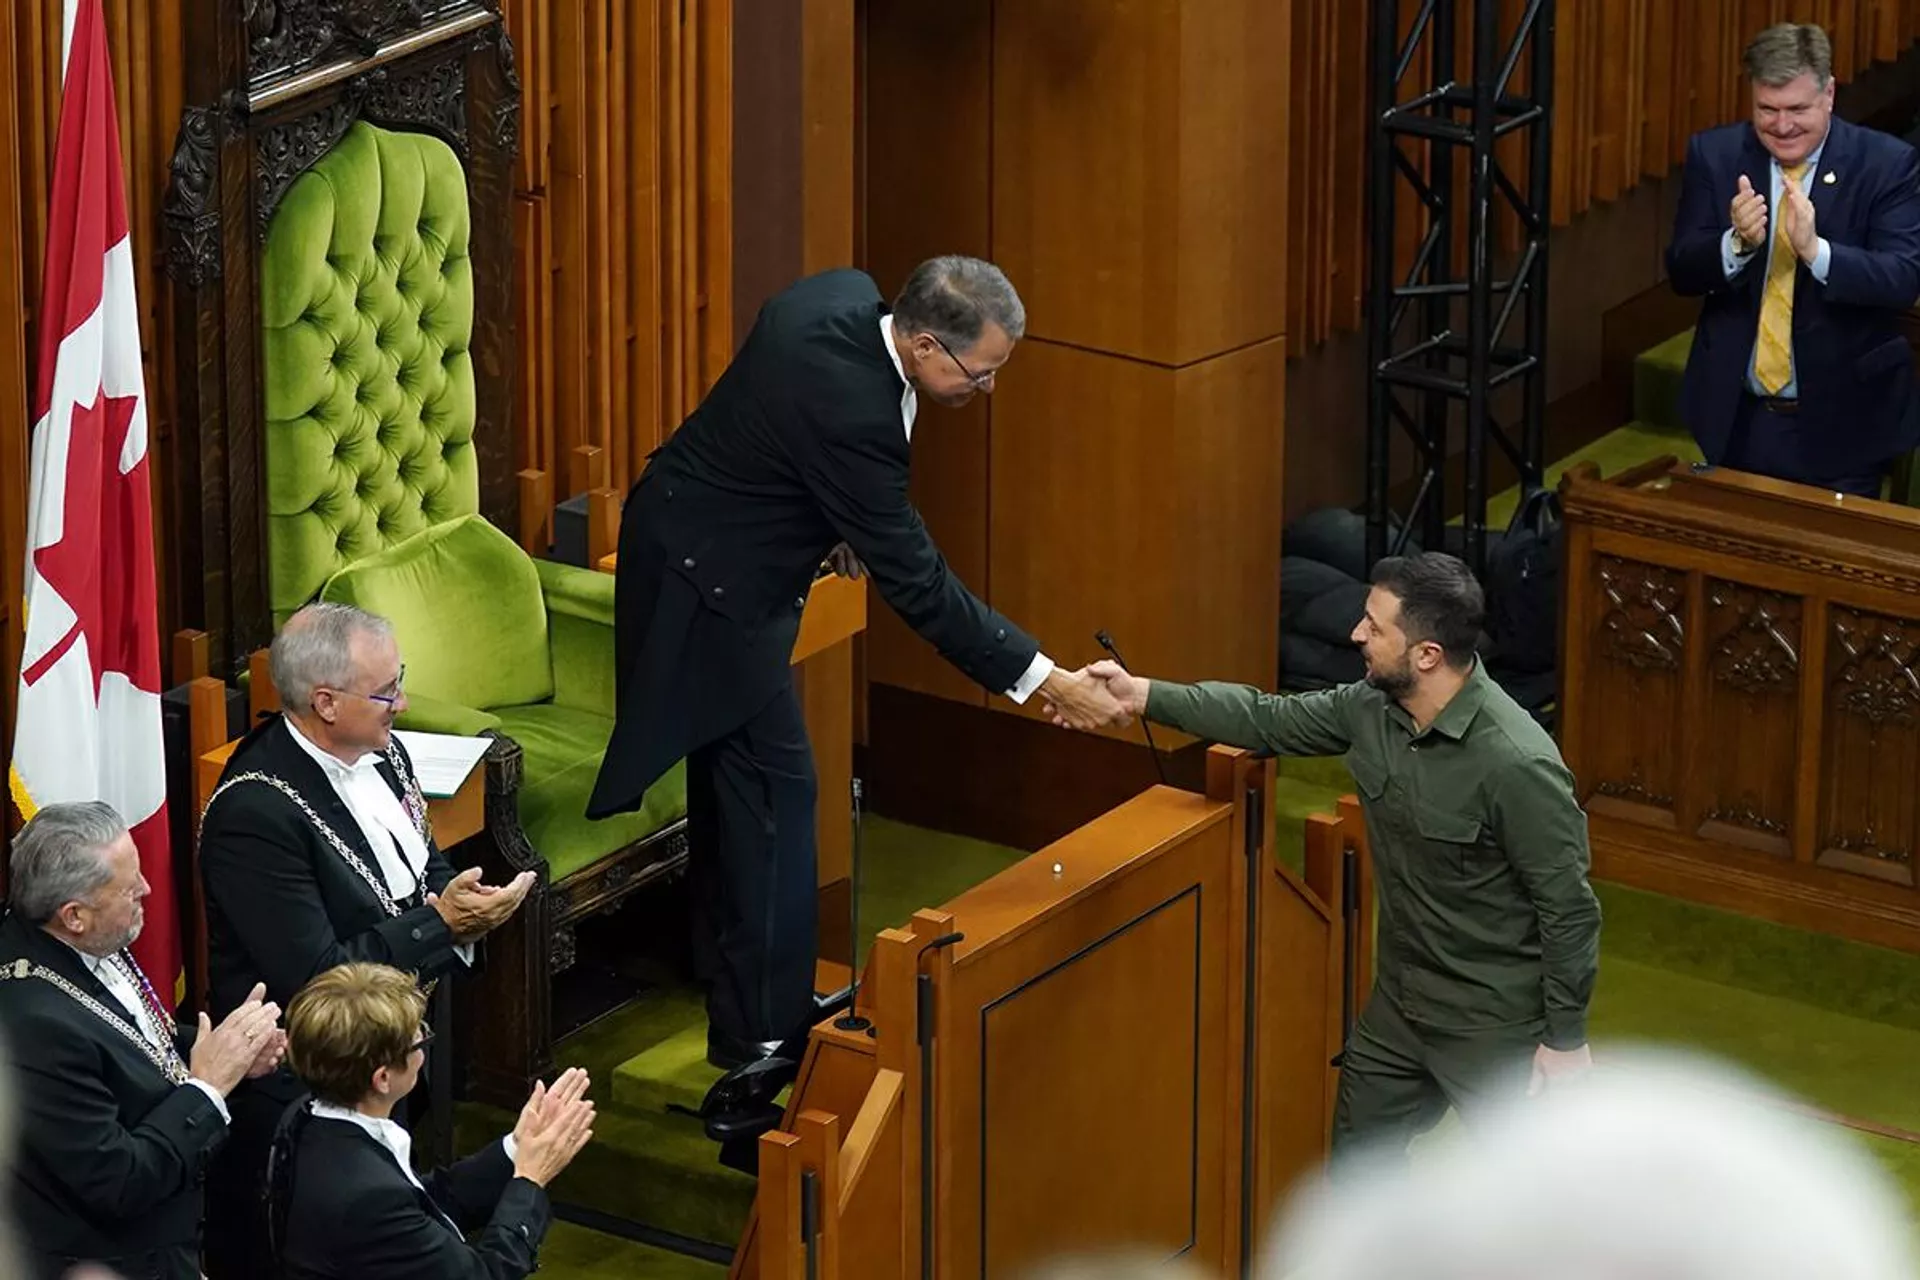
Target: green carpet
{"points": [[577, 1253]]}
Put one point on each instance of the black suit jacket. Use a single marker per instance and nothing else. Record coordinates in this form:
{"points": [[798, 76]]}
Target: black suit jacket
{"points": [[1852, 362], [800, 445], [282, 905], [111, 1153], [351, 1213]]}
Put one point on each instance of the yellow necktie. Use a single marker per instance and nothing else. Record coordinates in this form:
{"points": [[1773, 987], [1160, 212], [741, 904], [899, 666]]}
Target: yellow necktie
{"points": [[1773, 353]]}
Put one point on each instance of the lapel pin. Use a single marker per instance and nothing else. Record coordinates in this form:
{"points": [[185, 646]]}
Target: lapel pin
{"points": [[1827, 177]]}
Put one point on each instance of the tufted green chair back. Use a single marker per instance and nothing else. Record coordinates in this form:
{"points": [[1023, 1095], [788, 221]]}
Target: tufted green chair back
{"points": [[367, 310]]}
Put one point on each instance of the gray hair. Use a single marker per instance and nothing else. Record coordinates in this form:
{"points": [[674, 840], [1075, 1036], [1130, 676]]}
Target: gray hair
{"points": [[1783, 53], [954, 298], [60, 857], [315, 650]]}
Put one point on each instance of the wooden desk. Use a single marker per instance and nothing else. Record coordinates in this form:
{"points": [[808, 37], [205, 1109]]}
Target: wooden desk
{"points": [[1740, 694]]}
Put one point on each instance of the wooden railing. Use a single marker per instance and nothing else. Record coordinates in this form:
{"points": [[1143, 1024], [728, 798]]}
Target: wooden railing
{"points": [[1123, 1040]]}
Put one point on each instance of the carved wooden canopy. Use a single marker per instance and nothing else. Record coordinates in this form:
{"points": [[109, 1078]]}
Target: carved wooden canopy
{"points": [[275, 84]]}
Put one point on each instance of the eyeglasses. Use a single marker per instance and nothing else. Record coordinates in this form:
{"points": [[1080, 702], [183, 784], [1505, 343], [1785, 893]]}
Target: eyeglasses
{"points": [[384, 699], [426, 1038], [979, 380]]}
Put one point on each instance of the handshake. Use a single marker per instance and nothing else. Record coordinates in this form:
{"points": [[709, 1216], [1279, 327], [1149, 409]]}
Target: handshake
{"points": [[1102, 695]]}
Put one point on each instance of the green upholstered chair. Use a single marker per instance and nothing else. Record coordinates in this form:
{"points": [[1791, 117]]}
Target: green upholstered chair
{"points": [[373, 499]]}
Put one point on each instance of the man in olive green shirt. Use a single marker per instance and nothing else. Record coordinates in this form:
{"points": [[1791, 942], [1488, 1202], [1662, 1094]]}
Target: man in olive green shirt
{"points": [[1488, 929]]}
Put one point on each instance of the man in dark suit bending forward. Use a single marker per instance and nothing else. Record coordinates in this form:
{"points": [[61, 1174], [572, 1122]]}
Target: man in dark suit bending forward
{"points": [[800, 453]]}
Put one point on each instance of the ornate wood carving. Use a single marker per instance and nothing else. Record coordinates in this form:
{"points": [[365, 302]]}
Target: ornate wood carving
{"points": [[192, 209], [1753, 669], [1642, 626], [506, 113], [1756, 638], [286, 37], [431, 98], [1872, 749], [1754, 652], [1875, 677]]}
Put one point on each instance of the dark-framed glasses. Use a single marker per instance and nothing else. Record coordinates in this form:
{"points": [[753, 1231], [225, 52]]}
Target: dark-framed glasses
{"points": [[979, 380]]}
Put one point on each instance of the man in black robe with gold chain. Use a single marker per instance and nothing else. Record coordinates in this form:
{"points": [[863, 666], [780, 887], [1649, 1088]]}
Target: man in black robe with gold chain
{"points": [[315, 851]]}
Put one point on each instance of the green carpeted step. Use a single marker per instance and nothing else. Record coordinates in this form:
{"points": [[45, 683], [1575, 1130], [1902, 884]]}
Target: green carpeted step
{"points": [[1836, 974], [660, 1170], [669, 1030], [1329, 772], [1851, 1066], [1294, 801], [1616, 451], [1657, 373], [577, 1253]]}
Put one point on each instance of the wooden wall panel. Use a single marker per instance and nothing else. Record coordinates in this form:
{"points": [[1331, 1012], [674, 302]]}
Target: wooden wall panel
{"points": [[625, 213], [1171, 547], [1135, 204], [928, 194]]}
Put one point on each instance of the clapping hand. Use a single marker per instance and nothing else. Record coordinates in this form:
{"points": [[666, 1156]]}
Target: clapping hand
{"points": [[224, 1055], [1749, 214], [554, 1125], [472, 909], [1797, 212]]}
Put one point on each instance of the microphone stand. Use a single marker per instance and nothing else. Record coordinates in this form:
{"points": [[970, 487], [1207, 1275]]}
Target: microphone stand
{"points": [[1105, 641], [851, 1019]]}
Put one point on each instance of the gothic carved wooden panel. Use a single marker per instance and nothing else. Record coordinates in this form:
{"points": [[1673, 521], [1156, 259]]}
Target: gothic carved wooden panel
{"points": [[286, 37], [1753, 672], [1871, 747], [1637, 644]]}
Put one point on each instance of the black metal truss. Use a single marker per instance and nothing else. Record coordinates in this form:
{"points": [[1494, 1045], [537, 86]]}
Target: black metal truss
{"points": [[1421, 360]]}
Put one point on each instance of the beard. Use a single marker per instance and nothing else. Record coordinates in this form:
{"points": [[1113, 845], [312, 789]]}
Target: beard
{"points": [[1395, 682]]}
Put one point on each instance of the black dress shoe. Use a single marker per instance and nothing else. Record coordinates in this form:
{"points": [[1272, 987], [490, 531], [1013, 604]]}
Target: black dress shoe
{"points": [[741, 1106]]}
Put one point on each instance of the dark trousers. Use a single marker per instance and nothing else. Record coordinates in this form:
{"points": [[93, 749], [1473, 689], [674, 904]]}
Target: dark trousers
{"points": [[1767, 443], [237, 1247], [751, 869], [1398, 1079]]}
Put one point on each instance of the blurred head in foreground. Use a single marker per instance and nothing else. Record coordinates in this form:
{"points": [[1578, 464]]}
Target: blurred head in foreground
{"points": [[1653, 1168]]}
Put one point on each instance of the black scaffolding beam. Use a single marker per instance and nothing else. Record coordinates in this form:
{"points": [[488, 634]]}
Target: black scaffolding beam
{"points": [[1438, 332]]}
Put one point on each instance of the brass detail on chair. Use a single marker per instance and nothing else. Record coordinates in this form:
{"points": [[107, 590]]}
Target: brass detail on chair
{"points": [[1642, 626], [192, 209], [1756, 650]]}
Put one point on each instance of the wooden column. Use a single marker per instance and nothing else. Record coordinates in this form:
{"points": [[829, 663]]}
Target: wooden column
{"points": [[1127, 166]]}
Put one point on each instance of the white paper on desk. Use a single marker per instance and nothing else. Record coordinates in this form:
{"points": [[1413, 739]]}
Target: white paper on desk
{"points": [[442, 761]]}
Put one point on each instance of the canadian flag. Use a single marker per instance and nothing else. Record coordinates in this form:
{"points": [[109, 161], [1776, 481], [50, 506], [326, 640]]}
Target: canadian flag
{"points": [[88, 723]]}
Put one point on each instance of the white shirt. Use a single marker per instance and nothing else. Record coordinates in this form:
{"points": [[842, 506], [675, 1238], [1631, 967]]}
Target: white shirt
{"points": [[390, 833], [394, 1137], [120, 986], [1042, 666]]}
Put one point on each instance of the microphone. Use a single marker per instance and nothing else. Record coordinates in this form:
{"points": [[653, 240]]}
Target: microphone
{"points": [[1105, 641], [851, 1019]]}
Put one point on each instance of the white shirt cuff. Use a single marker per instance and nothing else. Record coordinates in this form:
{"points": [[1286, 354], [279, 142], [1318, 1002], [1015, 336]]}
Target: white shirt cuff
{"points": [[1731, 259], [465, 951], [511, 1147], [1822, 260], [213, 1095], [1037, 672]]}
